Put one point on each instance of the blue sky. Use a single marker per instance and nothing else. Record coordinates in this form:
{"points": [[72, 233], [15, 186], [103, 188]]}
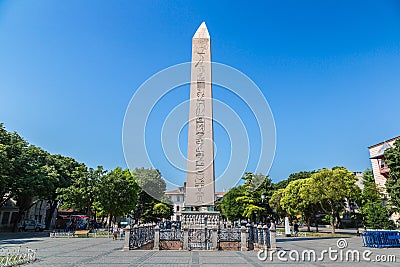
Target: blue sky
{"points": [[330, 71]]}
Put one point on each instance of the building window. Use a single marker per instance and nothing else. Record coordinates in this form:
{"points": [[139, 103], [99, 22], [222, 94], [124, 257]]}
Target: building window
{"points": [[178, 198], [14, 217], [382, 164], [6, 216]]}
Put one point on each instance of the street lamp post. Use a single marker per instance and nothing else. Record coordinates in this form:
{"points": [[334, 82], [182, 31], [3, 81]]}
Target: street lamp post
{"points": [[262, 201]]}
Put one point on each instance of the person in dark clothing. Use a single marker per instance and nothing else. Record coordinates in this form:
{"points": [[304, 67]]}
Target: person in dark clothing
{"points": [[296, 229]]}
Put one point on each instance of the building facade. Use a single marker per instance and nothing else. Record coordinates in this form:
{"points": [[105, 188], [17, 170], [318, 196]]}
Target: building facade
{"points": [[8, 215], [38, 212], [379, 167], [381, 170]]}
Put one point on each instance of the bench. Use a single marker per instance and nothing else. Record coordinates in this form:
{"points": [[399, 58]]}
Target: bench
{"points": [[81, 232]]}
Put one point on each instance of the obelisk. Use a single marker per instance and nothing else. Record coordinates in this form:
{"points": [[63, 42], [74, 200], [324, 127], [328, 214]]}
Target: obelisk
{"points": [[200, 189]]}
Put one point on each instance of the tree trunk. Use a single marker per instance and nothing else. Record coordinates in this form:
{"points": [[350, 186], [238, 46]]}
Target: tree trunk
{"points": [[309, 223], [339, 220], [53, 206], [333, 222], [19, 217], [102, 221], [316, 223]]}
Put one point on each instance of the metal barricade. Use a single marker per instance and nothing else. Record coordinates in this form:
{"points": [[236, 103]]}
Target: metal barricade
{"points": [[381, 238]]}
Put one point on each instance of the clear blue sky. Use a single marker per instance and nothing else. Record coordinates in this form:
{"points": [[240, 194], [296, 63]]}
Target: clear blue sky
{"points": [[330, 71]]}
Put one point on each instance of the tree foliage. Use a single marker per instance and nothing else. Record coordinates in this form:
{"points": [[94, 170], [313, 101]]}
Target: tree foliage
{"points": [[275, 203], [246, 201], [66, 170], [330, 188], [293, 177], [151, 192], [375, 215], [229, 206], [26, 173], [84, 190], [392, 158], [296, 202], [326, 191], [117, 193], [162, 211], [29, 174]]}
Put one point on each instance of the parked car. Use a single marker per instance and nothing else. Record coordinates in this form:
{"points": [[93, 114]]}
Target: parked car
{"points": [[25, 225]]}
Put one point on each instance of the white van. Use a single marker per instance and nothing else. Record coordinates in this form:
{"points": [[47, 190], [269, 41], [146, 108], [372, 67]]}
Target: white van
{"points": [[25, 225]]}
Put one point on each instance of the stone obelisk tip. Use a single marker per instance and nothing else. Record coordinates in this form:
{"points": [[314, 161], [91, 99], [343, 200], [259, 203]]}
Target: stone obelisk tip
{"points": [[202, 32]]}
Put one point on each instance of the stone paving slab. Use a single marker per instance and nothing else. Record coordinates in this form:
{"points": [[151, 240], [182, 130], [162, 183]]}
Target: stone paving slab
{"points": [[106, 252]]}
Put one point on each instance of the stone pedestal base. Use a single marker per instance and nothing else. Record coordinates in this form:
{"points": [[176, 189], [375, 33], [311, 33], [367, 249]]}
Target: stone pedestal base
{"points": [[202, 218], [200, 229]]}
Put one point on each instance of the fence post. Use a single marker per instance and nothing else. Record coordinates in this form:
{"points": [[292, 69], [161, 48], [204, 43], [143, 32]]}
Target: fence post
{"points": [[259, 233], [215, 237], [185, 238], [272, 236], [127, 233], [243, 239], [265, 232], [156, 238]]}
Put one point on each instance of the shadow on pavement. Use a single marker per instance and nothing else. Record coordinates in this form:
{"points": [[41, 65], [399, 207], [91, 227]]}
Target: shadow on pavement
{"points": [[17, 242], [23, 235], [290, 239]]}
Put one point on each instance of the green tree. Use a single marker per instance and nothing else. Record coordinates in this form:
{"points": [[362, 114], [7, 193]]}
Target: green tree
{"points": [[84, 190], [28, 174], [25, 175], [293, 177], [275, 203], [331, 188], [263, 194], [309, 205], [36, 179], [13, 164], [375, 214], [370, 192], [117, 193], [162, 211], [230, 208], [249, 200], [66, 170], [392, 159], [152, 189], [296, 201]]}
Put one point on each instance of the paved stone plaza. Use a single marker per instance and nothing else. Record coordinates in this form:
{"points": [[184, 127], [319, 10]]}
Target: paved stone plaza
{"points": [[106, 252]]}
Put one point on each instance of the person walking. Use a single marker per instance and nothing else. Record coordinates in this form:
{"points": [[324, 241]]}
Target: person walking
{"points": [[121, 233], [296, 229], [115, 232]]}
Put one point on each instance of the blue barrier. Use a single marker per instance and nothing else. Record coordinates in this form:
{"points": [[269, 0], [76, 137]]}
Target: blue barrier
{"points": [[381, 238]]}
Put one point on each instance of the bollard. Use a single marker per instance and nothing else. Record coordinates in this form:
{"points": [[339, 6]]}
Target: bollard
{"points": [[243, 238], [185, 238], [259, 234], [127, 233], [265, 232], [215, 237], [156, 238], [272, 236]]}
